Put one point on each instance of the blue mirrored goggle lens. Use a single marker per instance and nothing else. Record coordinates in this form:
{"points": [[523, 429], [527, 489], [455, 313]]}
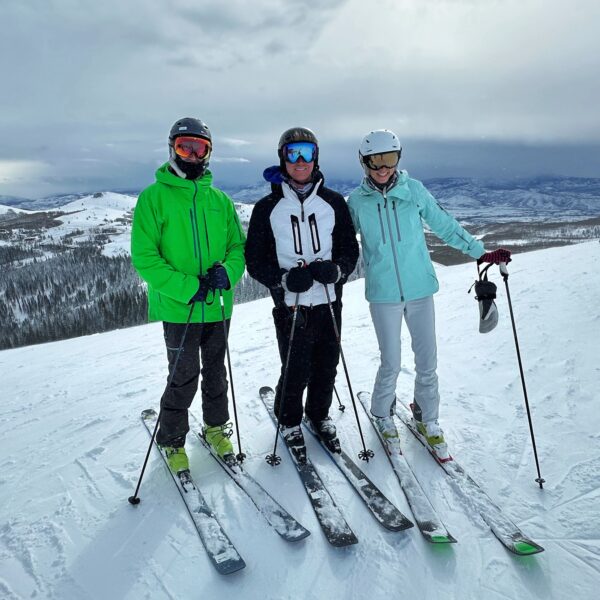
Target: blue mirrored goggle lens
{"points": [[306, 150]]}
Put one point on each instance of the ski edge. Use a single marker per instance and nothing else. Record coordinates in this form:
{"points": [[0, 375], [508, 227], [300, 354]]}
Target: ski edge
{"points": [[428, 527], [347, 537], [403, 522], [223, 566], [298, 531], [517, 542]]}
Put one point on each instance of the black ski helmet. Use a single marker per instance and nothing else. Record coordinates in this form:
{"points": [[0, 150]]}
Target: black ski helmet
{"points": [[188, 126], [297, 134]]}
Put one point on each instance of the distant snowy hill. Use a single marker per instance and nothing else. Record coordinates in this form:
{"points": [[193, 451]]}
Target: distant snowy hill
{"points": [[105, 213], [542, 197], [73, 446], [473, 199], [7, 209]]}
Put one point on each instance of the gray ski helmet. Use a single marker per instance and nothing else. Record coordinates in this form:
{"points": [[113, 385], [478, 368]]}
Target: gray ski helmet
{"points": [[189, 126], [485, 293], [297, 134]]}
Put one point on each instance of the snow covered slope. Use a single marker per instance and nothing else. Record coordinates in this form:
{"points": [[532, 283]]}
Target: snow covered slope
{"points": [[7, 209], [73, 445]]}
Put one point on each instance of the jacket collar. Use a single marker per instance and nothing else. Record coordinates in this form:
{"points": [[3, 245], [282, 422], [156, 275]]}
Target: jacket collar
{"points": [[289, 192], [399, 190], [166, 176]]}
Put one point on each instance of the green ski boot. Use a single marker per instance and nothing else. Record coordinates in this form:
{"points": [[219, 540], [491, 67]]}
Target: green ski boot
{"points": [[433, 434], [218, 438], [177, 459]]}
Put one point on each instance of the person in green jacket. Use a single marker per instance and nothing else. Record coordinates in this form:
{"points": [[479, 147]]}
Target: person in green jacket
{"points": [[388, 210], [187, 244]]}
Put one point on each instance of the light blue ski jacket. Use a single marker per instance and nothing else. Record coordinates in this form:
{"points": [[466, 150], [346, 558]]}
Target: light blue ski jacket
{"points": [[390, 223]]}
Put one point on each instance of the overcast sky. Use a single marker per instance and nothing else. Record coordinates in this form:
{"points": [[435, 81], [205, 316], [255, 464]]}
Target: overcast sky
{"points": [[89, 90]]}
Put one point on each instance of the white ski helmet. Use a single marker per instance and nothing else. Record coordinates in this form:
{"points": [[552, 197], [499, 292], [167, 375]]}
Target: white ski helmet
{"points": [[379, 141]]}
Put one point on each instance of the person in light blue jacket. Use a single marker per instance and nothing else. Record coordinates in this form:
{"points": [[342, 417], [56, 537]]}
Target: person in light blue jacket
{"points": [[388, 210]]}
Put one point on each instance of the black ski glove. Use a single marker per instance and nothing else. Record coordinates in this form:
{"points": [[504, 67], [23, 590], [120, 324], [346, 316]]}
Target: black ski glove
{"points": [[218, 278], [203, 287], [298, 280], [325, 271]]}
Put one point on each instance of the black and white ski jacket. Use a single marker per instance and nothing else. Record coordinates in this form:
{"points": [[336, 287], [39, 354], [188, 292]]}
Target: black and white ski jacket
{"points": [[284, 229]]}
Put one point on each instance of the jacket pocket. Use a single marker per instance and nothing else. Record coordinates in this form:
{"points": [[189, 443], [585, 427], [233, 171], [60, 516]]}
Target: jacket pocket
{"points": [[314, 233], [296, 234]]}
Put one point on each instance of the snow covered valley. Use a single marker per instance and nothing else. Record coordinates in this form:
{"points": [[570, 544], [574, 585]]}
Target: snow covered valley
{"points": [[73, 445]]}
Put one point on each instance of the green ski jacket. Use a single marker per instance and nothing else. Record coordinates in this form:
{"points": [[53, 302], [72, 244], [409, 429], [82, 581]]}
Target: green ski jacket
{"points": [[180, 229]]}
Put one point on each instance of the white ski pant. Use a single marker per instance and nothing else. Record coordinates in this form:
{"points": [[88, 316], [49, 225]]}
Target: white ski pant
{"points": [[420, 320]]}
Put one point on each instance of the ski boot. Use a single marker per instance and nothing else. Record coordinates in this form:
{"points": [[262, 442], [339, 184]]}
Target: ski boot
{"points": [[176, 458], [294, 440], [388, 430], [217, 436], [433, 434], [325, 429]]}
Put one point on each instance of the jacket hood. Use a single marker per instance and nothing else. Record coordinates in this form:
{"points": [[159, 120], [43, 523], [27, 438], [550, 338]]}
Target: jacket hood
{"points": [[166, 176], [275, 177], [273, 174]]}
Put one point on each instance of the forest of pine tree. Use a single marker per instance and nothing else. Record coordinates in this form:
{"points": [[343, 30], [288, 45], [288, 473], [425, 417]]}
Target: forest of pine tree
{"points": [[68, 291]]}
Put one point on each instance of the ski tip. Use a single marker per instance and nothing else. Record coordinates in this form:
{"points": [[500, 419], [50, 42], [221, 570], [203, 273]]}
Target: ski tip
{"points": [[526, 548], [343, 540], [265, 389], [444, 460], [442, 539], [403, 524], [229, 566], [148, 413]]}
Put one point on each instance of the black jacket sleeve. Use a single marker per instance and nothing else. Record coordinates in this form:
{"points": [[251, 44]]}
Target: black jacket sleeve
{"points": [[344, 245], [261, 253]]}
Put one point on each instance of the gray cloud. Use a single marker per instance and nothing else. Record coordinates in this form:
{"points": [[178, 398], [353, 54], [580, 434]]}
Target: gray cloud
{"points": [[90, 90]]}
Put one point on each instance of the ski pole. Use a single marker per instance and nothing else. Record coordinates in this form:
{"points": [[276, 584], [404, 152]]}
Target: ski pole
{"points": [[273, 459], [340, 405], [240, 455], [135, 499], [504, 273], [365, 453]]}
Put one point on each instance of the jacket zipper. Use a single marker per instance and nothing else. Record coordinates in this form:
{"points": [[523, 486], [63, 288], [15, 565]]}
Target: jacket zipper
{"points": [[387, 214], [381, 222], [195, 227], [396, 219]]}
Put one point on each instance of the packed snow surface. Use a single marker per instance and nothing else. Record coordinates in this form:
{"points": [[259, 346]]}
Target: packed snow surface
{"points": [[73, 445]]}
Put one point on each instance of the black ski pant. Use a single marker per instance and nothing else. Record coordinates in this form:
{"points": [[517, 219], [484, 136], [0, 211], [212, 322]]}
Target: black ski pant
{"points": [[206, 341], [313, 361]]}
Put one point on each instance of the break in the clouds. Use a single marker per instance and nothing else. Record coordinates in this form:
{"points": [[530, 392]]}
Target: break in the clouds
{"points": [[90, 90]]}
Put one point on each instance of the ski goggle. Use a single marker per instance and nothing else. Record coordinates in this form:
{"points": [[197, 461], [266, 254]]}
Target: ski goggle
{"points": [[389, 160], [296, 150], [186, 147]]}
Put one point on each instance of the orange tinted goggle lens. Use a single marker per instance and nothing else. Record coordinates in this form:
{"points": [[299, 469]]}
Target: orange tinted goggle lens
{"points": [[188, 146], [387, 159]]}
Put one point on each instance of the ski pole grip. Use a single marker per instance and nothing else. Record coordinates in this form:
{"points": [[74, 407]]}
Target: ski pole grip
{"points": [[503, 270]]}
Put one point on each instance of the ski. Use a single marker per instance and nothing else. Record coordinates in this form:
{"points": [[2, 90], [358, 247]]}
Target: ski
{"points": [[332, 521], [381, 508], [220, 550], [427, 520], [277, 517], [509, 535]]}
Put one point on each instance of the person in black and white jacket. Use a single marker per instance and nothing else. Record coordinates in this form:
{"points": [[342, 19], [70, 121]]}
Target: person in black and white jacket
{"points": [[301, 239]]}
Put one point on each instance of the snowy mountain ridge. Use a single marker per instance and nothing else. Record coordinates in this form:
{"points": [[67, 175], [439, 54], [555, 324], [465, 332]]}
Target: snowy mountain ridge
{"points": [[71, 423]]}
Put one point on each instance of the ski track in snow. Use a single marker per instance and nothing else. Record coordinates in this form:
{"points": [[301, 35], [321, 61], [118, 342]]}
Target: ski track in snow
{"points": [[73, 445]]}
